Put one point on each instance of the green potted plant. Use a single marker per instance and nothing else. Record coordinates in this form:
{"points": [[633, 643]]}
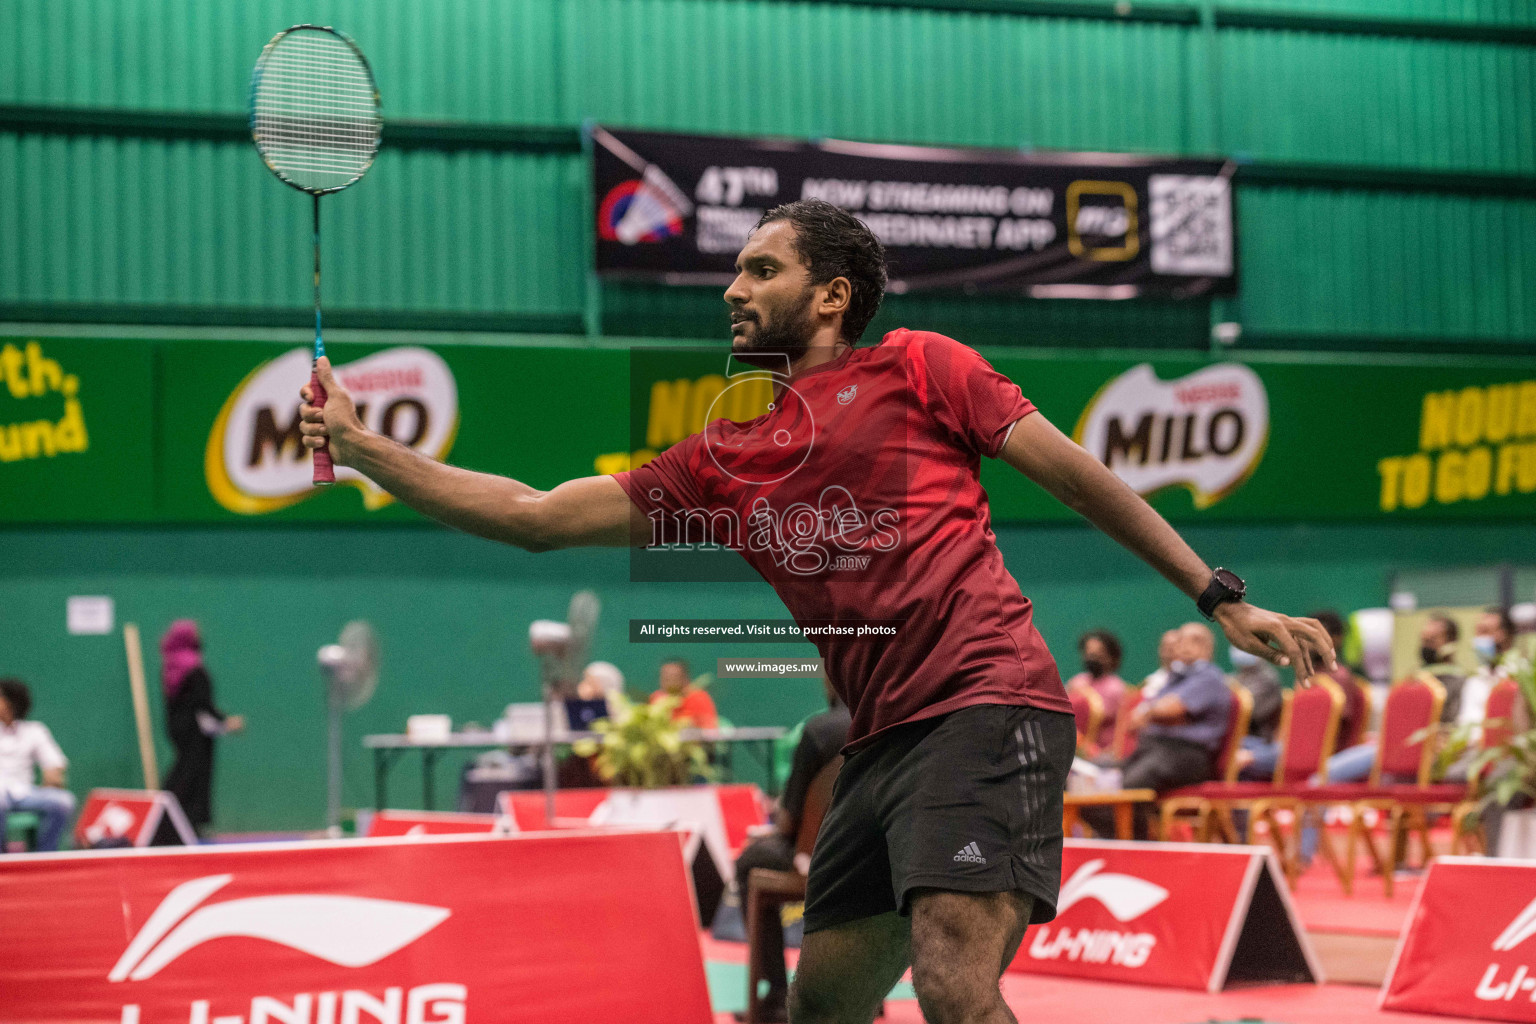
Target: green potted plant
{"points": [[641, 746]]}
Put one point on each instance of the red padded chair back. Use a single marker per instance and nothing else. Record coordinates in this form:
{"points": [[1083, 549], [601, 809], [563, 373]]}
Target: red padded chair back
{"points": [[1126, 734], [1088, 711], [1412, 704], [1307, 728], [1499, 722], [1362, 721], [1237, 728]]}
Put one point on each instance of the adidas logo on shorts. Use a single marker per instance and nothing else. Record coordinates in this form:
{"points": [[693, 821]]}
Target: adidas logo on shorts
{"points": [[971, 854]]}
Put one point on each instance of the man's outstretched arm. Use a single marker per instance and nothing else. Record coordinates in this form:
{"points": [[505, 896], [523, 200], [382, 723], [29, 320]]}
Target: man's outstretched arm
{"points": [[1085, 485], [591, 511]]}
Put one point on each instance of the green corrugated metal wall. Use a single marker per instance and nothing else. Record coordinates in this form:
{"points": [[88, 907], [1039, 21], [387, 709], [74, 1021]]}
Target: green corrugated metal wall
{"points": [[187, 225]]}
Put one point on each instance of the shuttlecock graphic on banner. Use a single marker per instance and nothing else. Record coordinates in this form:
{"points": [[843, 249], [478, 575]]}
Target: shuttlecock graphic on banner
{"points": [[1206, 431], [255, 461]]}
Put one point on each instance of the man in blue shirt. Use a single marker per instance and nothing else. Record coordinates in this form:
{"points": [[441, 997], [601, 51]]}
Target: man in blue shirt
{"points": [[1182, 729]]}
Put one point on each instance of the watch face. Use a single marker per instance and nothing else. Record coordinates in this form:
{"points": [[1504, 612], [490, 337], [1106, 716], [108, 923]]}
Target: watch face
{"points": [[1230, 580]]}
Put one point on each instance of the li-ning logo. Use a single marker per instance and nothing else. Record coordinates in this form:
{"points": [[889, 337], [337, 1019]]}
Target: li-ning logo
{"points": [[847, 394], [1126, 897], [971, 853], [1520, 929], [349, 931], [115, 820]]}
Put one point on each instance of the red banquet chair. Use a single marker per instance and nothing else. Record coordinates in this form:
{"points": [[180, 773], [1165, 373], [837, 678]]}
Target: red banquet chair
{"points": [[1190, 801], [1126, 733], [1413, 706], [1088, 710], [1309, 722], [1357, 728]]}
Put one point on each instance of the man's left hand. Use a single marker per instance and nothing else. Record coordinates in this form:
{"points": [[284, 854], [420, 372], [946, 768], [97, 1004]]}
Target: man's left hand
{"points": [[1303, 644]]}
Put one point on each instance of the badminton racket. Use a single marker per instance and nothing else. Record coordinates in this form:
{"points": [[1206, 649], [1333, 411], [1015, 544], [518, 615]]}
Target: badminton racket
{"points": [[315, 120]]}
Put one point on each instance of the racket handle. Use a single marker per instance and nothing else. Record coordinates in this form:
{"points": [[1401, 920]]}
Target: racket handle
{"points": [[324, 473]]}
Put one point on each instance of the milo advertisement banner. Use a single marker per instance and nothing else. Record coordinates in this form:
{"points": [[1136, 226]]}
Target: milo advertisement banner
{"points": [[206, 432]]}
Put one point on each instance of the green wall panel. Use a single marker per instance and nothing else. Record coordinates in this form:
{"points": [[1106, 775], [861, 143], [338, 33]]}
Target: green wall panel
{"points": [[1387, 263], [1488, 12], [100, 220], [1323, 98], [98, 223], [875, 73]]}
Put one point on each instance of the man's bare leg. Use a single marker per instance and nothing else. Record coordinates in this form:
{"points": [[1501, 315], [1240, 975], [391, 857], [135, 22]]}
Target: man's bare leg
{"points": [[961, 942], [845, 972]]}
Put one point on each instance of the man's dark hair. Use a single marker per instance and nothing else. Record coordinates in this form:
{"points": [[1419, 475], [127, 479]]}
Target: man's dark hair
{"points": [[17, 696], [833, 243], [1109, 640], [1506, 621], [680, 662], [1331, 620], [1452, 631]]}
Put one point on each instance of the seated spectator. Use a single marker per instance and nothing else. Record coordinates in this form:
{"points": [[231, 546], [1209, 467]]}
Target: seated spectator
{"points": [[695, 705], [1437, 646], [600, 680], [1181, 729], [1167, 649], [1493, 641], [1100, 650], [27, 748], [820, 740], [1262, 681]]}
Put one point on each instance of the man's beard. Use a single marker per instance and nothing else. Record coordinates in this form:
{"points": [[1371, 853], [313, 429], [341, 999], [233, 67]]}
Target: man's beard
{"points": [[782, 341]]}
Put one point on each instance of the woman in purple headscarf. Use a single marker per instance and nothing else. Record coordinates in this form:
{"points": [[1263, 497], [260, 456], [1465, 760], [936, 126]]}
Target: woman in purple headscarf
{"points": [[193, 720]]}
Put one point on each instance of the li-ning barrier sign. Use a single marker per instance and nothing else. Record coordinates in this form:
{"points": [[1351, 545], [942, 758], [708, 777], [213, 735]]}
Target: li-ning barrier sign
{"points": [[677, 208]]}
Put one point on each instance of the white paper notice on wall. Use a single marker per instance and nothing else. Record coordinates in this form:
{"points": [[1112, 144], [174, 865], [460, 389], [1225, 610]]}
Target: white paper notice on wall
{"points": [[89, 616]]}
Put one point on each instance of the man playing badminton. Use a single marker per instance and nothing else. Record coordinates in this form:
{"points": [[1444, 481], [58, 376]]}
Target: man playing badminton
{"points": [[943, 841]]}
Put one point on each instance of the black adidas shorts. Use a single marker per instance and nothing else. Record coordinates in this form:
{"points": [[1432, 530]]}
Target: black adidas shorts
{"points": [[969, 801]]}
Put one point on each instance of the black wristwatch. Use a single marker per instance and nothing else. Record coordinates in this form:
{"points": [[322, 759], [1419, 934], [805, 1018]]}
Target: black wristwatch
{"points": [[1225, 586]]}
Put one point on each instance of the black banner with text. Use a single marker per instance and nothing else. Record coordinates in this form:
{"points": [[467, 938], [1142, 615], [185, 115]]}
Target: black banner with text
{"points": [[677, 208]]}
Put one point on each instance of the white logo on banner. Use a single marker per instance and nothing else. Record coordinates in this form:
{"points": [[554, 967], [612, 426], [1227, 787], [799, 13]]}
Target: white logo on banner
{"points": [[1520, 929], [1126, 897], [1206, 431], [114, 820], [349, 931], [255, 461]]}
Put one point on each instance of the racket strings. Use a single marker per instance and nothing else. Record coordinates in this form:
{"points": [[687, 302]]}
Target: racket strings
{"points": [[316, 116]]}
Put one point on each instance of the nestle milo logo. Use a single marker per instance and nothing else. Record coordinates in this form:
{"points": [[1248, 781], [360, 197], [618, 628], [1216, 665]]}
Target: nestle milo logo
{"points": [[1206, 431], [255, 461]]}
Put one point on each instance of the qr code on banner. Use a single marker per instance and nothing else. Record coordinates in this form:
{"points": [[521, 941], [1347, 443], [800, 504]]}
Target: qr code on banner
{"points": [[1191, 224]]}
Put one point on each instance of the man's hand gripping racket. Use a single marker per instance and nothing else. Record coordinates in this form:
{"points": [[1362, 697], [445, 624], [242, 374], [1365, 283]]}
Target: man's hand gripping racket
{"points": [[328, 419]]}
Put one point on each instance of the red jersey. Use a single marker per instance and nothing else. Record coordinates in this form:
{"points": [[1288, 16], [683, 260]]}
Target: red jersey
{"points": [[858, 496]]}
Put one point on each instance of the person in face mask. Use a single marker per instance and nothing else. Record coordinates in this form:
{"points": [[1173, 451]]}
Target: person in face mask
{"points": [[1100, 651], [1437, 648], [1493, 641]]}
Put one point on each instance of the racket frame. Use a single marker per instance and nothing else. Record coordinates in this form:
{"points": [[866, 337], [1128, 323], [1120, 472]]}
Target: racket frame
{"points": [[324, 470]]}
